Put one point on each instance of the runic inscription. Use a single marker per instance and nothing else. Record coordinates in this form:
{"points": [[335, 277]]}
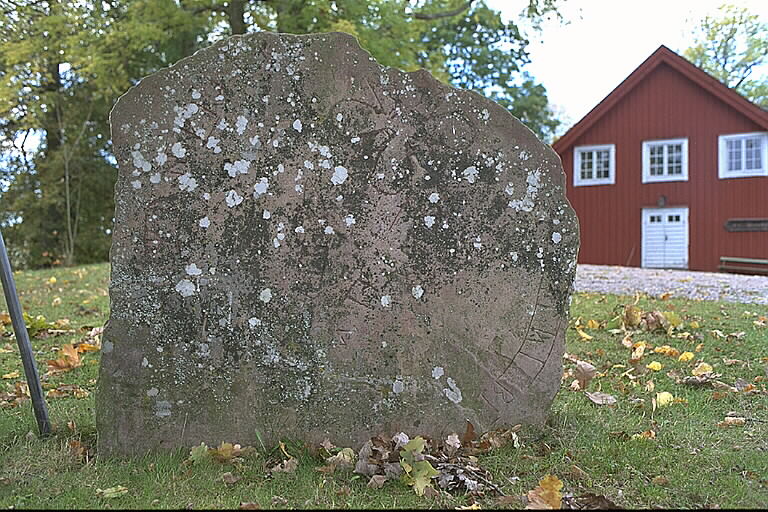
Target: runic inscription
{"points": [[310, 245]]}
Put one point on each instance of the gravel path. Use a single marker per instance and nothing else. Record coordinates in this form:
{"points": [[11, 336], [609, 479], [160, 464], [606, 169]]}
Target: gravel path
{"points": [[681, 283]]}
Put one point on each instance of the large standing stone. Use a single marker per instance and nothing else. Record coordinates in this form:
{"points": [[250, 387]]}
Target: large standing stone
{"points": [[308, 244]]}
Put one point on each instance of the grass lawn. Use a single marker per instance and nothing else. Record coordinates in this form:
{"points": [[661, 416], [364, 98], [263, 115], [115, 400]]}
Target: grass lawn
{"points": [[685, 455]]}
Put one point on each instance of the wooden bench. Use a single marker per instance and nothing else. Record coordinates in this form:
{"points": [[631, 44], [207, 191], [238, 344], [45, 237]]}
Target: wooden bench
{"points": [[755, 265]]}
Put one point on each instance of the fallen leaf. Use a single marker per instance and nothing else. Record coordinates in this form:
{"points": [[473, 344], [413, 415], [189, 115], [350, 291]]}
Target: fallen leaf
{"points": [[648, 434], [701, 369], [584, 373], [546, 495], [694, 324], [584, 336], [469, 434], [655, 366], [588, 501], [249, 505], [593, 324], [660, 480], [732, 421], [377, 481], [286, 466], [12, 375], [632, 315], [230, 479], [664, 398], [685, 357], [112, 492], [345, 459], [601, 398]]}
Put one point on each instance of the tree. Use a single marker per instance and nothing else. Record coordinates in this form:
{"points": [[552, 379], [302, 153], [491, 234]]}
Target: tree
{"points": [[63, 65], [732, 47]]}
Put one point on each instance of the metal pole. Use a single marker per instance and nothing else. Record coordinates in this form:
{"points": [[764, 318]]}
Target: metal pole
{"points": [[22, 338]]}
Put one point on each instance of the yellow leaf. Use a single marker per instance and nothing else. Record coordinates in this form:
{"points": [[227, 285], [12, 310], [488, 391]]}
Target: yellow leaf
{"points": [[592, 324], [699, 347], [685, 357], [632, 315], [52, 280], [12, 375], [584, 336], [655, 366], [665, 295], [664, 398], [694, 324], [701, 369], [546, 495]]}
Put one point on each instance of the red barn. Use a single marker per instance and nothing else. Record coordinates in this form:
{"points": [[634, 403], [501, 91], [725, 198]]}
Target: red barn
{"points": [[670, 170]]}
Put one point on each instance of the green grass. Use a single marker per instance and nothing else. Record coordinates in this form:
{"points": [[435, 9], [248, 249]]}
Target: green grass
{"points": [[691, 463]]}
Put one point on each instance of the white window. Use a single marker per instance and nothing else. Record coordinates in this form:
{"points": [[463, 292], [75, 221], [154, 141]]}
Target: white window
{"points": [[743, 154], [594, 165], [665, 160]]}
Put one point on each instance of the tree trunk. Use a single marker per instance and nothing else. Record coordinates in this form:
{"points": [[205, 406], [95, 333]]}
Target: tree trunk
{"points": [[236, 15]]}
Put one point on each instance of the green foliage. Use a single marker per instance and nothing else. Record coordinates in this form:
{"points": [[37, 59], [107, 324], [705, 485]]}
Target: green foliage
{"points": [[732, 47], [417, 471], [64, 64]]}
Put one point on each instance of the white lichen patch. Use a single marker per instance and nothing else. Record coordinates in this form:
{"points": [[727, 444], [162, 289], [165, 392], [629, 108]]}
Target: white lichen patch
{"points": [[340, 175], [266, 295], [240, 124], [260, 188], [233, 198], [556, 237], [237, 167], [527, 203], [417, 291], [299, 229], [429, 221], [452, 392], [386, 301], [437, 372], [192, 270], [178, 150], [254, 322], [328, 230], [434, 197], [398, 386], [471, 173], [349, 220], [266, 214], [297, 125], [155, 178], [187, 182], [186, 287], [136, 184], [204, 222]]}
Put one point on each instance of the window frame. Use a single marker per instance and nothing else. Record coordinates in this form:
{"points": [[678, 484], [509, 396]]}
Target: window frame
{"points": [[722, 155], [646, 151], [578, 181]]}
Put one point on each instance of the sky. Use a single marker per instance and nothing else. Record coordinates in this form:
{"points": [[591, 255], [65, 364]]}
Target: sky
{"points": [[607, 40]]}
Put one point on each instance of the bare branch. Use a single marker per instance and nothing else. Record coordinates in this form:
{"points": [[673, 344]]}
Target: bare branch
{"points": [[446, 14]]}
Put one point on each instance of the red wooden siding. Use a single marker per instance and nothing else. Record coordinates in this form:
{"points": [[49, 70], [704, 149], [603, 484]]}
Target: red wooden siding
{"points": [[666, 104]]}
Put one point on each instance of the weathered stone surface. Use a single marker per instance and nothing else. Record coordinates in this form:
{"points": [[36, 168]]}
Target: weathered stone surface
{"points": [[308, 245]]}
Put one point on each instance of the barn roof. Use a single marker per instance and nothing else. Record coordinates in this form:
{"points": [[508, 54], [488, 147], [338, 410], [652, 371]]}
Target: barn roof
{"points": [[664, 55]]}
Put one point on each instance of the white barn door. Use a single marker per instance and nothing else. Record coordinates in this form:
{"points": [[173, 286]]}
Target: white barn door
{"points": [[665, 238]]}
